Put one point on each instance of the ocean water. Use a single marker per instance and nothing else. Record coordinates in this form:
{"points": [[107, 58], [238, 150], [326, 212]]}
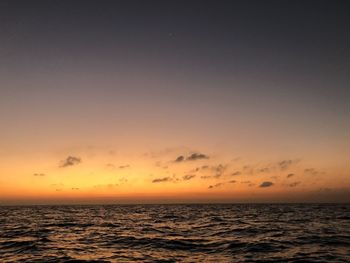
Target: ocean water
{"points": [[176, 233]]}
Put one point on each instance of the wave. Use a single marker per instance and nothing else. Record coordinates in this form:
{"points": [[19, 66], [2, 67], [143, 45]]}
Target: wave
{"points": [[175, 233]]}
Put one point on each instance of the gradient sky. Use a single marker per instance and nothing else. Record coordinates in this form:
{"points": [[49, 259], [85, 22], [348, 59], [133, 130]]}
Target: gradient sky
{"points": [[99, 100]]}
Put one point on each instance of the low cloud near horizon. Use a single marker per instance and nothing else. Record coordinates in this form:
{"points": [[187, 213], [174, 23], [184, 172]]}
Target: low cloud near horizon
{"points": [[188, 177], [70, 161], [290, 175], [192, 157], [266, 184], [162, 180], [39, 174]]}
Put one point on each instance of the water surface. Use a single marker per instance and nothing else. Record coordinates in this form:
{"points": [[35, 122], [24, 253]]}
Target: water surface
{"points": [[176, 233]]}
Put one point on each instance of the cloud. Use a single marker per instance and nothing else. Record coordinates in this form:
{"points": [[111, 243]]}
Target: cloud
{"points": [[179, 159], [39, 174], [218, 170], [248, 169], [290, 175], [245, 182], [162, 180], [311, 171], [123, 180], [70, 161], [215, 185], [204, 167], [197, 156], [266, 184], [249, 183], [285, 164], [236, 173], [221, 184], [112, 166], [294, 184], [188, 177], [192, 157], [215, 171], [264, 170]]}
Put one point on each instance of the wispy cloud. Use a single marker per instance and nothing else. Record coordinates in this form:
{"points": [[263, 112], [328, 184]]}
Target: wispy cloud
{"points": [[311, 171], [264, 170], [162, 180], [290, 175], [204, 167], [214, 171], [39, 174], [294, 184], [112, 166], [188, 177], [248, 169], [219, 170], [221, 184], [70, 161], [286, 164], [123, 180], [249, 183]]}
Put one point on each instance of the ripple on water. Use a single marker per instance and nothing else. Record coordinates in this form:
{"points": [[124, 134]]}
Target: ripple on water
{"points": [[176, 233]]}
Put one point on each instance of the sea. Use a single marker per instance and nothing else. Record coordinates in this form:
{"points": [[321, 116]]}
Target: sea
{"points": [[176, 233]]}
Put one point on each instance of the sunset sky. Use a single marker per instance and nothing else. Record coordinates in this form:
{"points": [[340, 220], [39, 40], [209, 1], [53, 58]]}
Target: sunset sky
{"points": [[174, 101]]}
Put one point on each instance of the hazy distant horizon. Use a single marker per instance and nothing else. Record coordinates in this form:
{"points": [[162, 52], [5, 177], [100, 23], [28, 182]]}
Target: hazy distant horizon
{"points": [[338, 198]]}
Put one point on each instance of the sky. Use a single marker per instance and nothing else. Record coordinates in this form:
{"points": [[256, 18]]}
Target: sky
{"points": [[174, 101]]}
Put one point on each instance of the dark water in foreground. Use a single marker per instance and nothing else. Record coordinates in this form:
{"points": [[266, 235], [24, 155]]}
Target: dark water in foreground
{"points": [[175, 233]]}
